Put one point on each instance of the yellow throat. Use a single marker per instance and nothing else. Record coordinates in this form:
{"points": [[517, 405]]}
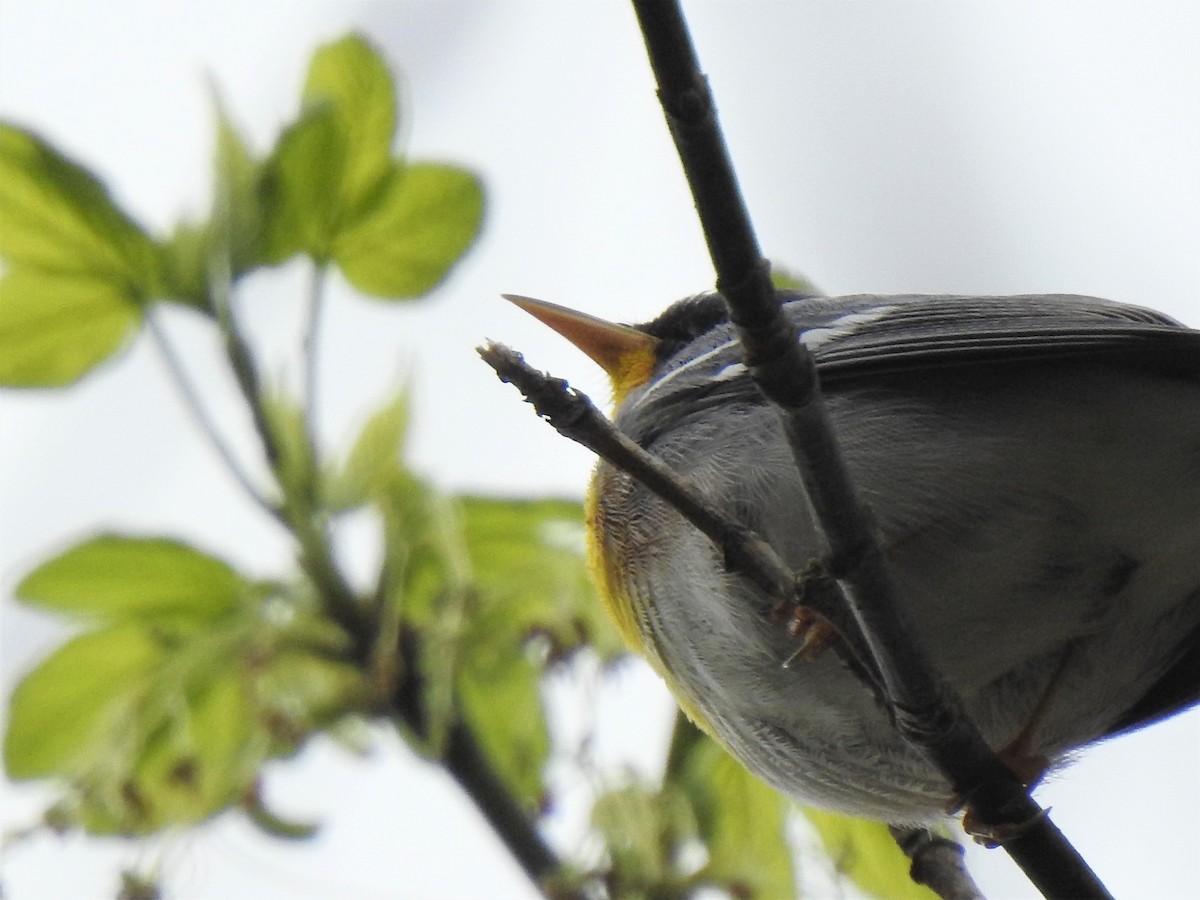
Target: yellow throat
{"points": [[627, 357]]}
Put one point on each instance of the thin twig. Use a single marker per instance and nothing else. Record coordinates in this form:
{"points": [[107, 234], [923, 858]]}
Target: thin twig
{"points": [[312, 327], [574, 416], [468, 763], [924, 709], [245, 373], [195, 405]]}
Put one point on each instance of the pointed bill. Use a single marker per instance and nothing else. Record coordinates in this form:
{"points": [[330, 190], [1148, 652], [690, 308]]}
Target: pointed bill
{"points": [[624, 352]]}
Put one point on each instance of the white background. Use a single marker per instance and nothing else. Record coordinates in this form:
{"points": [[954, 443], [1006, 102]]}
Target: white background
{"points": [[888, 146]]}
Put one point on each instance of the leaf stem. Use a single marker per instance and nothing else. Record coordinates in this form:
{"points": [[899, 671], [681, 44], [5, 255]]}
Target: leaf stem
{"points": [[200, 413], [316, 307]]}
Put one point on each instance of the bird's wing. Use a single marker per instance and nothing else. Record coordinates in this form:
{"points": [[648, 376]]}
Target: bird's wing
{"points": [[867, 335], [1175, 691]]}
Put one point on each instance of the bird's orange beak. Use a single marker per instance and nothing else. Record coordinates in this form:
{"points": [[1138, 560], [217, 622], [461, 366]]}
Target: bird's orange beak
{"points": [[624, 352]]}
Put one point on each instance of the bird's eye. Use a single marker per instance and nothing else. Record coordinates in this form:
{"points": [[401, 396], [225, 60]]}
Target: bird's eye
{"points": [[686, 320]]}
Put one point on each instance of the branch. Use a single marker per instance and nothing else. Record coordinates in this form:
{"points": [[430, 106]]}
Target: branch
{"points": [[924, 709], [195, 405], [312, 327], [574, 416], [461, 755], [466, 761]]}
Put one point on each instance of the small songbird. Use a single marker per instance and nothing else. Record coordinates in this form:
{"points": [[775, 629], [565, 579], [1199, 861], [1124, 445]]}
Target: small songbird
{"points": [[1033, 467]]}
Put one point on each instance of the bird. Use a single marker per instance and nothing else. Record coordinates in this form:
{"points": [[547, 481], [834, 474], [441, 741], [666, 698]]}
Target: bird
{"points": [[1032, 465]]}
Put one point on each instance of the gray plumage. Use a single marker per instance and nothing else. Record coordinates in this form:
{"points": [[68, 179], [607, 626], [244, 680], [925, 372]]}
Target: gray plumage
{"points": [[1033, 464]]}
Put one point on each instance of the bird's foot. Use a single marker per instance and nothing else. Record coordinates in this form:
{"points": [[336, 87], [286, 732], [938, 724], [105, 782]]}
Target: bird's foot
{"points": [[992, 836], [808, 617], [814, 632]]}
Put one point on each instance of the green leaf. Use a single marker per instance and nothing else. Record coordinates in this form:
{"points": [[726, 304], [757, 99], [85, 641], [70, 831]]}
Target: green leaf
{"points": [[301, 187], [426, 585], [54, 327], [294, 465], [866, 853], [301, 692], [56, 216], [228, 244], [374, 459], [351, 77], [237, 206], [184, 260], [426, 566], [742, 822], [787, 279], [647, 835], [61, 714], [530, 603], [113, 577], [500, 697], [329, 168], [193, 766], [194, 756], [527, 558], [425, 220]]}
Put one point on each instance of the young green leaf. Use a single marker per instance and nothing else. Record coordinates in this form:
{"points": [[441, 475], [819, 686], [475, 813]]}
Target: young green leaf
{"points": [[300, 692], [56, 327], [302, 187], [294, 466], [499, 695], [425, 220], [530, 603], [55, 216], [866, 853], [426, 585], [193, 757], [237, 206], [350, 76], [742, 822], [527, 558], [373, 459], [62, 713], [788, 279], [184, 260], [113, 577], [329, 168], [645, 832], [199, 762], [427, 567]]}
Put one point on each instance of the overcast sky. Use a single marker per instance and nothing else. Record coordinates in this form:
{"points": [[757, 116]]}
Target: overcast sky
{"points": [[1003, 147]]}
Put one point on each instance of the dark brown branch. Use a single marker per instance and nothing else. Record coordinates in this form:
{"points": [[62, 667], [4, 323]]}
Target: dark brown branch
{"points": [[922, 706], [470, 767], [466, 761]]}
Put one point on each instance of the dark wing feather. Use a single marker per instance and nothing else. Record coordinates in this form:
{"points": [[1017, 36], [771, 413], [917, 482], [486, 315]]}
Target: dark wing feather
{"points": [[925, 332], [1175, 691], [920, 332]]}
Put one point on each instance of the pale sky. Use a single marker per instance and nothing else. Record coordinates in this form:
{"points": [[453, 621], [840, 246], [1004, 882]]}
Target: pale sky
{"points": [[990, 147]]}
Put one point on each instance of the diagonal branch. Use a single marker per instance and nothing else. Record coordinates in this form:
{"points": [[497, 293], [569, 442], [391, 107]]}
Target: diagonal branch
{"points": [[923, 708], [574, 416]]}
